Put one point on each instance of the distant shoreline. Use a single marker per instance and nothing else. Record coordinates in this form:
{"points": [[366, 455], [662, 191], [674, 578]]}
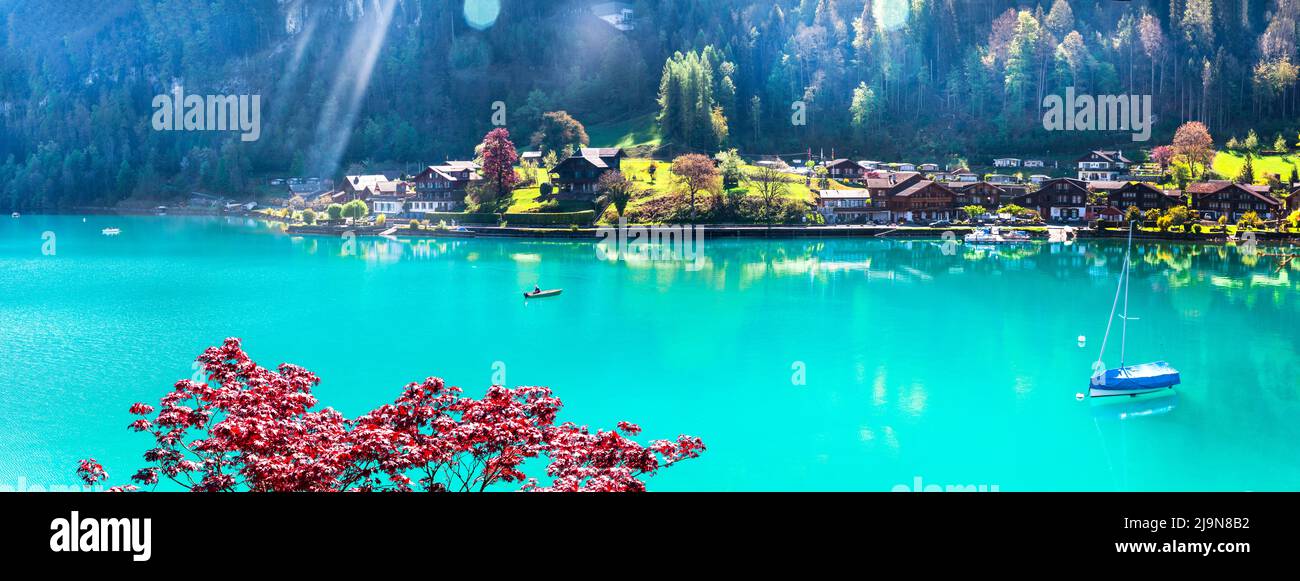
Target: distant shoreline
{"points": [[710, 231]]}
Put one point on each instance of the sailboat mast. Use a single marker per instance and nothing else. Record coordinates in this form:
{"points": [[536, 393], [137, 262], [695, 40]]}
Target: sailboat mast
{"points": [[1114, 305], [1128, 252]]}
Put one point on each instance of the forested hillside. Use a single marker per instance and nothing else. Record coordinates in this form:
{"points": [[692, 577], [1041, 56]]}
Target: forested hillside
{"points": [[412, 81]]}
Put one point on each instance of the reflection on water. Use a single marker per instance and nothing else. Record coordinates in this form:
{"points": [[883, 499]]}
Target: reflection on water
{"points": [[957, 363], [1134, 408]]}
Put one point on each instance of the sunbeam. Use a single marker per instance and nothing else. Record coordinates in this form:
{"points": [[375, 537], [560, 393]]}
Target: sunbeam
{"points": [[339, 113]]}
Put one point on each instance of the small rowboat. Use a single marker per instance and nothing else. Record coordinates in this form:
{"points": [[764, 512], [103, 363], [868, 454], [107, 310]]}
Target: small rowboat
{"points": [[543, 294], [14, 215]]}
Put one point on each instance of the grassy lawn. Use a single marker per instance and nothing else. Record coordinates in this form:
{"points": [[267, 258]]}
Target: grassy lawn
{"points": [[637, 132], [525, 200], [637, 169], [1228, 164]]}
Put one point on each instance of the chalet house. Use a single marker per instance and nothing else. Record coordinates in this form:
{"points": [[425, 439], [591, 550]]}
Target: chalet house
{"points": [[1060, 199], [1223, 198], [923, 200], [359, 187], [845, 169], [884, 188], [1006, 162], [442, 188], [1293, 201], [1102, 165], [1038, 178], [928, 167], [849, 206], [978, 194], [576, 176], [997, 178], [905, 167], [1124, 195], [1033, 163], [869, 165]]}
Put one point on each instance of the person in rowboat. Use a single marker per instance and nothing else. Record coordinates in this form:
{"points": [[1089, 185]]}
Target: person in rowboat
{"points": [[536, 289]]}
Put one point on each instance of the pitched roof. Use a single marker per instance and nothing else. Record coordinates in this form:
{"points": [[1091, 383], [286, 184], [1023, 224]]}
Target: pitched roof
{"points": [[1216, 186], [1108, 155], [968, 185], [1105, 185], [600, 156], [449, 171], [919, 186], [364, 181], [835, 162]]}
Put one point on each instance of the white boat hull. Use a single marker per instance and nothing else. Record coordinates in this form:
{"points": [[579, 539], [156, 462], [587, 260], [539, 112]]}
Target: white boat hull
{"points": [[1095, 392]]}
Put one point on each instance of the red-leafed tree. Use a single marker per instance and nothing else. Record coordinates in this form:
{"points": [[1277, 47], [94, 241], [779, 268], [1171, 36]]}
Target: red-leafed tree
{"points": [[499, 157], [1163, 155], [252, 429]]}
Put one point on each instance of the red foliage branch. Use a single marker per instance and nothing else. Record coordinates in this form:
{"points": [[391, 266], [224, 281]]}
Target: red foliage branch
{"points": [[250, 428]]}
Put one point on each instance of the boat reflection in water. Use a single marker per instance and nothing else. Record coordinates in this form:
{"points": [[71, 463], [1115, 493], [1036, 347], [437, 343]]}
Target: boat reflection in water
{"points": [[1129, 408]]}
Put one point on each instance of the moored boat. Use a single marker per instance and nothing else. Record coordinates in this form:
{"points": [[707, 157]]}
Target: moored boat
{"points": [[111, 231], [14, 215], [1134, 380], [1130, 380], [996, 235]]}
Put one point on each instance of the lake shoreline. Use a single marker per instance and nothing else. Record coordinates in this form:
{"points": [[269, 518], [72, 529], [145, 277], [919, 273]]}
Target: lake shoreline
{"points": [[710, 231]]}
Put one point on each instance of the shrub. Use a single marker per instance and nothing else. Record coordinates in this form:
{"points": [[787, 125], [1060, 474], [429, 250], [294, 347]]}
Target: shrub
{"points": [[356, 209], [414, 224], [335, 211], [381, 219], [582, 218], [309, 216], [1196, 228]]}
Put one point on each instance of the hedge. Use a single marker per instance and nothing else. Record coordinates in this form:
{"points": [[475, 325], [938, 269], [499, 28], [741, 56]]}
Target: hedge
{"points": [[461, 217], [582, 218]]}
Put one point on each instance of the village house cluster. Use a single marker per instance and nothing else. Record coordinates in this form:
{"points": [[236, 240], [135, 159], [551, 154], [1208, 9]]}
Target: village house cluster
{"points": [[444, 187], [1106, 185]]}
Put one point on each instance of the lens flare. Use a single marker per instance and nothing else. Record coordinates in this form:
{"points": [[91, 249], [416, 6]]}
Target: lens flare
{"points": [[482, 14], [891, 14]]}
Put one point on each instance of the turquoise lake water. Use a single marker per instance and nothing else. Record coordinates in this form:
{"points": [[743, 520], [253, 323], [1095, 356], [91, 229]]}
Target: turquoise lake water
{"points": [[951, 368]]}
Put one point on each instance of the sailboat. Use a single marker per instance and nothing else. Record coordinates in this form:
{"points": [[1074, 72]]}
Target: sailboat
{"points": [[1130, 380]]}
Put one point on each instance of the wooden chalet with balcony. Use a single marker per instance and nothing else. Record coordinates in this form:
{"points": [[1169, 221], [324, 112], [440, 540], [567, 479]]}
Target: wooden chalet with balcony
{"points": [[1223, 198], [575, 177]]}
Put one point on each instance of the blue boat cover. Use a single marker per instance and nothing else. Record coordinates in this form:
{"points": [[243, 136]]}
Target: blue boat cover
{"points": [[1144, 376]]}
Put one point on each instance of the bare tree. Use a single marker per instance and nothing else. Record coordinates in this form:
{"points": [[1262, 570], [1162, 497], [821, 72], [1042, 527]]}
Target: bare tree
{"points": [[771, 184]]}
